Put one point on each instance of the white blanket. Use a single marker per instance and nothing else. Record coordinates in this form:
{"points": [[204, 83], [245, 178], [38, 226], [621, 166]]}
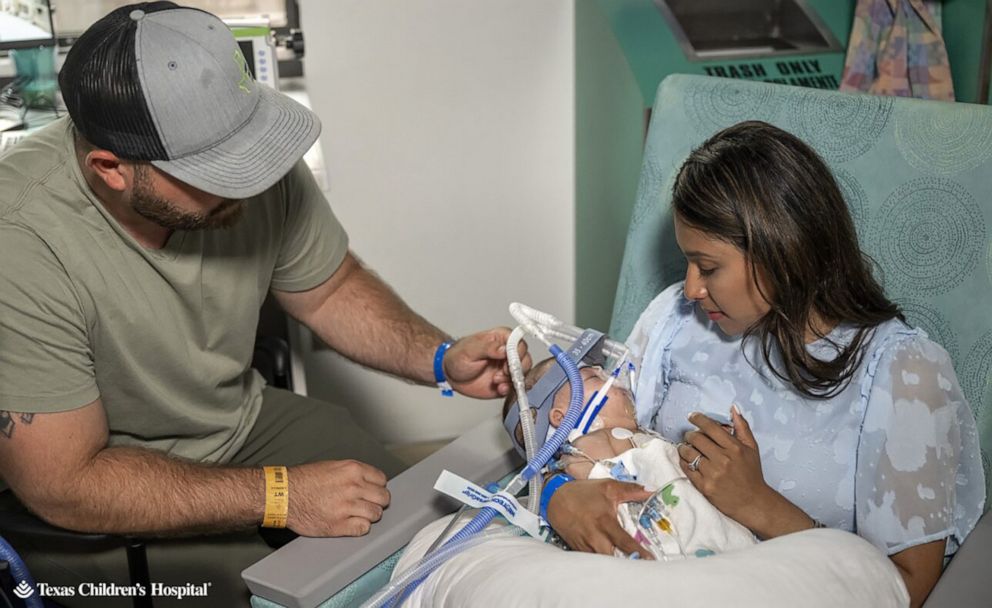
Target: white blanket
{"points": [[827, 568], [692, 526]]}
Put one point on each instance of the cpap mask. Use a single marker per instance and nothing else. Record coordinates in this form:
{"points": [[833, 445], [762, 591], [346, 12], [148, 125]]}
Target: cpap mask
{"points": [[590, 348]]}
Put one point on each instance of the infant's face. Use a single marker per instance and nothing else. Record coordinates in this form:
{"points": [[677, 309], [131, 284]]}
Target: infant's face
{"points": [[618, 410]]}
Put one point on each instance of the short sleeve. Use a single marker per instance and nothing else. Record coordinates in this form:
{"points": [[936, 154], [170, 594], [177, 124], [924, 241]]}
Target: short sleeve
{"points": [[919, 475], [648, 343], [314, 242], [655, 315], [46, 364]]}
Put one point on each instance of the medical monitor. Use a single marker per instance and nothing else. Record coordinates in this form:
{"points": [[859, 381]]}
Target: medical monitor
{"points": [[254, 36], [25, 24]]}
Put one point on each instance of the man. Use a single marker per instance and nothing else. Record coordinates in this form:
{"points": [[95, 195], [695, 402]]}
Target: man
{"points": [[138, 241]]}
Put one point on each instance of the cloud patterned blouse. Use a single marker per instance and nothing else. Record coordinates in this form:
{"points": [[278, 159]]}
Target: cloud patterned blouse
{"points": [[893, 457]]}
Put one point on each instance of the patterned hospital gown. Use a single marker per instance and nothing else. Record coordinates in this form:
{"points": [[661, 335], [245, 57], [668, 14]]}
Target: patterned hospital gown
{"points": [[894, 457]]}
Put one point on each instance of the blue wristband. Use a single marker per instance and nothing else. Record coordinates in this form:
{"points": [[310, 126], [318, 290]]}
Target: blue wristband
{"points": [[439, 377], [552, 485]]}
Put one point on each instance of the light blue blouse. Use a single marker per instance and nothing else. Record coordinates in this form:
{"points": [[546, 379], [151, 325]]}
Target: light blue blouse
{"points": [[894, 457]]}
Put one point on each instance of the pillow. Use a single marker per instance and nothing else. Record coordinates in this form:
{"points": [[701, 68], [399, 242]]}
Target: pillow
{"points": [[813, 568]]}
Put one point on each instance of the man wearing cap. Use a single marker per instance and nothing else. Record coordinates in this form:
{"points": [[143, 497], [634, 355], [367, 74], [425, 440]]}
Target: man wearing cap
{"points": [[137, 243]]}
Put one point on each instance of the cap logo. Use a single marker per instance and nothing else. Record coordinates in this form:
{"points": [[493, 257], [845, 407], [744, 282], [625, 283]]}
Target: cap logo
{"points": [[245, 83]]}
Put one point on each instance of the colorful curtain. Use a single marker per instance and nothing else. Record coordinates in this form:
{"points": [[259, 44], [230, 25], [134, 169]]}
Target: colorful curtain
{"points": [[896, 48]]}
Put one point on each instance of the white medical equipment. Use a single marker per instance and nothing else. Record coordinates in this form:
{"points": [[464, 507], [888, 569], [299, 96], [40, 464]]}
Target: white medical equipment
{"points": [[254, 36]]}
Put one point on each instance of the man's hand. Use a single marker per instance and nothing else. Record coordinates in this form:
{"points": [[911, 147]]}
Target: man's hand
{"points": [[476, 365], [335, 498], [584, 513]]}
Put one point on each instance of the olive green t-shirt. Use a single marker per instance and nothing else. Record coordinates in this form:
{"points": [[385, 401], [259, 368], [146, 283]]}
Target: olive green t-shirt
{"points": [[163, 337]]}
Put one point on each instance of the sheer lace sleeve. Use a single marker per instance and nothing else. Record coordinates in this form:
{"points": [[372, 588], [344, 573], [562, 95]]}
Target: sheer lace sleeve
{"points": [[919, 474], [648, 343], [657, 312]]}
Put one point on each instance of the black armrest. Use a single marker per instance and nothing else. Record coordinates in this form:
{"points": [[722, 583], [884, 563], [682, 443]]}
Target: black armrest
{"points": [[272, 359], [26, 525], [16, 522]]}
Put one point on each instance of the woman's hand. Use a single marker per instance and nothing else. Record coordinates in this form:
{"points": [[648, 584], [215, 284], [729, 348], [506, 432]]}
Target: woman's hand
{"points": [[584, 513], [728, 473]]}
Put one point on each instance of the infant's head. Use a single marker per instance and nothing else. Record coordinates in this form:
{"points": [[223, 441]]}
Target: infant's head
{"points": [[617, 412]]}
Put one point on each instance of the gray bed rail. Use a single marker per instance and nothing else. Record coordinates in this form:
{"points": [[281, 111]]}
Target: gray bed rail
{"points": [[307, 571]]}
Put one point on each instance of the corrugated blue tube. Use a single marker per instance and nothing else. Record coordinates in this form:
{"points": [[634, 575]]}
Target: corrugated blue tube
{"points": [[549, 449], [19, 572]]}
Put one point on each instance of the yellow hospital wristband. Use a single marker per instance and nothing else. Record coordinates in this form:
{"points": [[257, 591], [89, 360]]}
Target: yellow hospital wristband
{"points": [[276, 497]]}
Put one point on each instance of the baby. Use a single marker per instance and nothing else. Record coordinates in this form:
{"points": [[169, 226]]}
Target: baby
{"points": [[677, 521]]}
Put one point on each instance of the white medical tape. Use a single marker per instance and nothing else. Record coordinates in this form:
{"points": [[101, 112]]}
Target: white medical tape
{"points": [[475, 496]]}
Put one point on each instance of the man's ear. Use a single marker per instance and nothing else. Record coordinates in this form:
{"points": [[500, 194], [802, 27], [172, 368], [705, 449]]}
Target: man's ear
{"points": [[111, 170]]}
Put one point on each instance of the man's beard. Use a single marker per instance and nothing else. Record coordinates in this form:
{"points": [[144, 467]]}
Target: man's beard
{"points": [[149, 205]]}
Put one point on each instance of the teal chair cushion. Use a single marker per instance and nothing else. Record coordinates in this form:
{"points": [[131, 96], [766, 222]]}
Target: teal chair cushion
{"points": [[916, 176]]}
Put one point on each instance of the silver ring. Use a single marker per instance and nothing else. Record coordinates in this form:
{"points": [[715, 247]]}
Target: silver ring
{"points": [[694, 465]]}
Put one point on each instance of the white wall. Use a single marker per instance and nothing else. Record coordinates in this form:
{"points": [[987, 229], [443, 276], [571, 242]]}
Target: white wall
{"points": [[448, 133]]}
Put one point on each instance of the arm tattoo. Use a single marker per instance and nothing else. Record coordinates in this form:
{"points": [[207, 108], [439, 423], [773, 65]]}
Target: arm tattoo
{"points": [[7, 422]]}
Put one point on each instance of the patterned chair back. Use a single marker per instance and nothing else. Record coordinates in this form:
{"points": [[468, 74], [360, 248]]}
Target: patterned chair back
{"points": [[917, 177]]}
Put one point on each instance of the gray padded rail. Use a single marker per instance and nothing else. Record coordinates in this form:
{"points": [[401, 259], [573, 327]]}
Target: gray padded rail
{"points": [[307, 571], [965, 582]]}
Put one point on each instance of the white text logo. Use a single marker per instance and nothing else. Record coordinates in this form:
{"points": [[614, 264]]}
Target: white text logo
{"points": [[23, 590]]}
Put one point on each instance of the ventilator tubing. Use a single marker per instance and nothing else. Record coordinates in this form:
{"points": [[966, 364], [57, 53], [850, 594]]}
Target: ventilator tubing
{"points": [[548, 329], [420, 570], [19, 572], [533, 467], [526, 420], [551, 446], [480, 521]]}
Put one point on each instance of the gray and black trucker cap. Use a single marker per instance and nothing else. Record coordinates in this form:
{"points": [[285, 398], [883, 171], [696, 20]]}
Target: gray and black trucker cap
{"points": [[168, 84]]}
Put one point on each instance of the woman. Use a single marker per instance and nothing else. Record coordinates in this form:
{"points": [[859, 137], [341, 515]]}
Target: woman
{"points": [[843, 414]]}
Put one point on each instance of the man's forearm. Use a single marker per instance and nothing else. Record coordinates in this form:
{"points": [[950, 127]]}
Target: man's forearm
{"points": [[370, 324], [134, 491]]}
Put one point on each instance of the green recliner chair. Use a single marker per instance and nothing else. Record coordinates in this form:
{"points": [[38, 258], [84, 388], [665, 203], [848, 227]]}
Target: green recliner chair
{"points": [[917, 177]]}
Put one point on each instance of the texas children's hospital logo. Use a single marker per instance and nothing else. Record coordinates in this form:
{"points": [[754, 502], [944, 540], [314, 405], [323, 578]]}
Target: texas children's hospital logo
{"points": [[23, 590]]}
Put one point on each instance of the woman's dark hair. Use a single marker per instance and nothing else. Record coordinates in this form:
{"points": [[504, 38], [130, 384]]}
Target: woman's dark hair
{"points": [[770, 195]]}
